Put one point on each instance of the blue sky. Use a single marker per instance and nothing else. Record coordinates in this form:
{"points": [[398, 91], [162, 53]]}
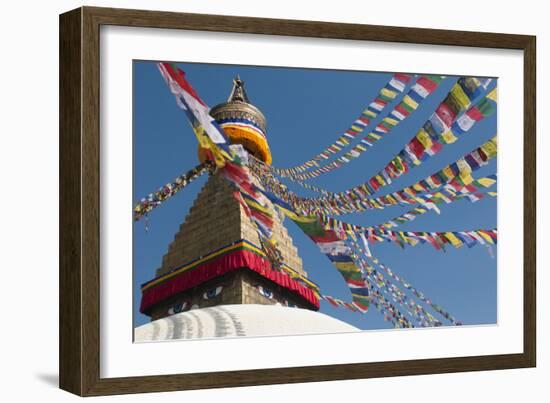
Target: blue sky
{"points": [[306, 110]]}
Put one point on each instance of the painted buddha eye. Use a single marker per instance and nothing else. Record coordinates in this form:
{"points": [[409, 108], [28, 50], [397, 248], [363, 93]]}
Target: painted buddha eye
{"points": [[177, 308], [265, 292], [213, 292]]}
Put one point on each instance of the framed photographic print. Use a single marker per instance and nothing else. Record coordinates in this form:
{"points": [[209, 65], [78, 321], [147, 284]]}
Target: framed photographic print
{"points": [[251, 201]]}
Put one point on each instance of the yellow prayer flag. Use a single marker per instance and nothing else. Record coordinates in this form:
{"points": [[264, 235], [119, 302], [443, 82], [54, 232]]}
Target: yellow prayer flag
{"points": [[463, 166], [453, 239], [448, 137], [493, 94], [290, 214], [380, 180], [486, 182], [412, 241], [466, 178], [257, 206], [411, 103], [347, 267], [486, 237], [207, 143], [474, 80], [369, 113], [451, 191], [388, 93], [344, 140], [302, 218], [490, 147], [376, 136], [448, 172], [458, 94], [391, 199], [442, 197], [391, 121], [424, 138]]}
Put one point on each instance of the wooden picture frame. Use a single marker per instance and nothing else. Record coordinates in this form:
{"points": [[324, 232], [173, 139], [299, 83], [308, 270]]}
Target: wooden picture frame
{"points": [[80, 198]]}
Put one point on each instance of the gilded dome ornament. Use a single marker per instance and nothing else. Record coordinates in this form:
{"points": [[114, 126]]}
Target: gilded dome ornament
{"points": [[243, 122]]}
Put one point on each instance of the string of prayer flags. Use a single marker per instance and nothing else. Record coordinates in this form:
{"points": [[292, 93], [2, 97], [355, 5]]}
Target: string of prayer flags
{"points": [[438, 239], [441, 128], [390, 312], [258, 165], [426, 318], [417, 310], [484, 108], [330, 240], [398, 297], [210, 135], [418, 294], [386, 95], [362, 291], [414, 309], [255, 206], [454, 178], [386, 308], [154, 199], [339, 303], [423, 87], [332, 245], [445, 196], [417, 211], [437, 308]]}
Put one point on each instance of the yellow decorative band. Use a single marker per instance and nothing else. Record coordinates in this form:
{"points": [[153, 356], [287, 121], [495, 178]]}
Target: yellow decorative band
{"points": [[250, 139], [238, 245]]}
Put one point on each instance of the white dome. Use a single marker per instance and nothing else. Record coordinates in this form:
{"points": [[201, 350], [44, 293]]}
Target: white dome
{"points": [[238, 321]]}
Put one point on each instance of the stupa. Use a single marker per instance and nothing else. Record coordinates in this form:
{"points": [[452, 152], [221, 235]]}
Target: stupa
{"points": [[216, 257]]}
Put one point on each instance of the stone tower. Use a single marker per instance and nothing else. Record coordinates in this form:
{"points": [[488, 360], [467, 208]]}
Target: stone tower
{"points": [[216, 257]]}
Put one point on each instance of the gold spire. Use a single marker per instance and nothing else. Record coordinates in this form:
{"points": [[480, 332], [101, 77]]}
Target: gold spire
{"points": [[238, 93], [243, 122]]}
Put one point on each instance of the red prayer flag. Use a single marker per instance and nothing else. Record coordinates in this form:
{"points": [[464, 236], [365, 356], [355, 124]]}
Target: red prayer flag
{"points": [[402, 77], [475, 114], [416, 147], [446, 114], [402, 110], [427, 84], [179, 76]]}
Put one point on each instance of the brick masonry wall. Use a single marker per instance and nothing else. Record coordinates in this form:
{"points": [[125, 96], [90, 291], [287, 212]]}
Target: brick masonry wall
{"points": [[216, 220]]}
